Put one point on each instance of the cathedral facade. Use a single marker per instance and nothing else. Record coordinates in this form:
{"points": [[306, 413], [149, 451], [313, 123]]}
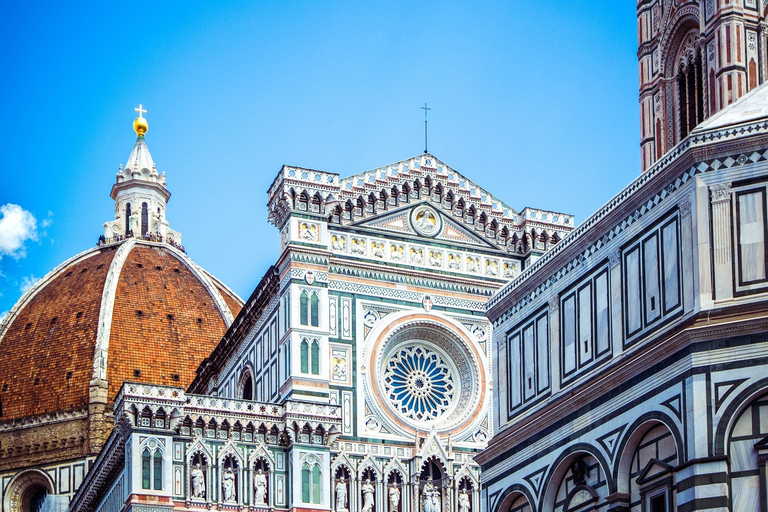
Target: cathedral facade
{"points": [[695, 58], [358, 374]]}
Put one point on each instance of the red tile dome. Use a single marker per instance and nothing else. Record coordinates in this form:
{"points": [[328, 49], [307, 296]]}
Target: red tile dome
{"points": [[135, 310]]}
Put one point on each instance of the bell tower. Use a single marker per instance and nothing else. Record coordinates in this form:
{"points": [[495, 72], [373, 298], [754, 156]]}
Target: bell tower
{"points": [[695, 57], [140, 194]]}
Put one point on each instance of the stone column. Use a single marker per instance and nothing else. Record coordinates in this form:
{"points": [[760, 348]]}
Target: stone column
{"points": [[722, 240]]}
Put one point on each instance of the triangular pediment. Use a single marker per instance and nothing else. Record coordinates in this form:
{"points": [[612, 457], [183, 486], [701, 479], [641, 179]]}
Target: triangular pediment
{"points": [[653, 469], [424, 220]]}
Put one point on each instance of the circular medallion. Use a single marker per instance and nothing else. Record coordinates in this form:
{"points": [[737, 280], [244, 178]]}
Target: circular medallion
{"points": [[426, 221]]}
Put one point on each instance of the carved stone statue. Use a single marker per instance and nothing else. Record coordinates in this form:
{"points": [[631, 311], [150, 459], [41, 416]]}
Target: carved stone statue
{"points": [[368, 492], [260, 488], [341, 496], [431, 497], [463, 501], [198, 482], [394, 498], [228, 485], [580, 472]]}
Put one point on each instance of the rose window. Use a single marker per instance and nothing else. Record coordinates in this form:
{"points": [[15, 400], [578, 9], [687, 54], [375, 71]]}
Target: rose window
{"points": [[418, 383]]}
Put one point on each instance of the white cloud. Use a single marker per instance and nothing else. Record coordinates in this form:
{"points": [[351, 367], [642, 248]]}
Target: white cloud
{"points": [[28, 282], [17, 225], [3, 315]]}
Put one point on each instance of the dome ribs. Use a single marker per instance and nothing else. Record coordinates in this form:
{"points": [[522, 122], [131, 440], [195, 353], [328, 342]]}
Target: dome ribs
{"points": [[38, 347], [179, 325]]}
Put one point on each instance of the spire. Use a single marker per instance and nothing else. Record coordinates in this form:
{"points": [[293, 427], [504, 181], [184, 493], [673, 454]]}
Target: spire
{"points": [[140, 193]]}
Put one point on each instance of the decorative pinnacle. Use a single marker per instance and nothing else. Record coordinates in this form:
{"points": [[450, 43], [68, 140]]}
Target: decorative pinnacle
{"points": [[140, 125]]}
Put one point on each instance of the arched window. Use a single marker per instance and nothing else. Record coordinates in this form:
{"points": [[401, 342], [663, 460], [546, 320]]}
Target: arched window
{"points": [[690, 86], [144, 219], [316, 487], [152, 467], [304, 356], [145, 468], [315, 358], [127, 218], [246, 386], [157, 468], [303, 300], [306, 482], [309, 308], [315, 313]]}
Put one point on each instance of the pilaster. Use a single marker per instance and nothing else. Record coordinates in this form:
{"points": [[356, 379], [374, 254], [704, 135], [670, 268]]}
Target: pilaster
{"points": [[721, 240]]}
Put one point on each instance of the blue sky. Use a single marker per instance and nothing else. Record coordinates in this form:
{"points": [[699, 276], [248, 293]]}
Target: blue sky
{"points": [[534, 101]]}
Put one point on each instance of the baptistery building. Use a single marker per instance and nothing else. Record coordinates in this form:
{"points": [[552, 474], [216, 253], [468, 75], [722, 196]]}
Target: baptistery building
{"points": [[134, 307], [631, 361], [357, 376]]}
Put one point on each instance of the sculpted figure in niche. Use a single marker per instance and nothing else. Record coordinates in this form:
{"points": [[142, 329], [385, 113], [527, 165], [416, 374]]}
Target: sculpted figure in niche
{"points": [[463, 501], [473, 264], [394, 498], [228, 485], [341, 496], [431, 497], [398, 253], [580, 472], [368, 492], [198, 482], [377, 250], [509, 270], [492, 267], [260, 487], [417, 256]]}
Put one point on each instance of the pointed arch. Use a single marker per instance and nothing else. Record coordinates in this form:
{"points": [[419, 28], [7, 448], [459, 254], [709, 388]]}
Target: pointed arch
{"points": [[471, 215], [304, 349], [302, 203], [349, 210], [315, 357], [316, 205]]}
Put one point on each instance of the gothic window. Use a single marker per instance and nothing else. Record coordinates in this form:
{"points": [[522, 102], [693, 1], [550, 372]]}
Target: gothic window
{"points": [[528, 361], [314, 306], [689, 83], [310, 356], [315, 358], [585, 330], [157, 469], [246, 386], [652, 290], [144, 219], [303, 308], [311, 485], [306, 482], [127, 218], [304, 356], [152, 466], [309, 308], [146, 458]]}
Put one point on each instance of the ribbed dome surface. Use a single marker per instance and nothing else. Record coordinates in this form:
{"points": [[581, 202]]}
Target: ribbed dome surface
{"points": [[136, 311]]}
